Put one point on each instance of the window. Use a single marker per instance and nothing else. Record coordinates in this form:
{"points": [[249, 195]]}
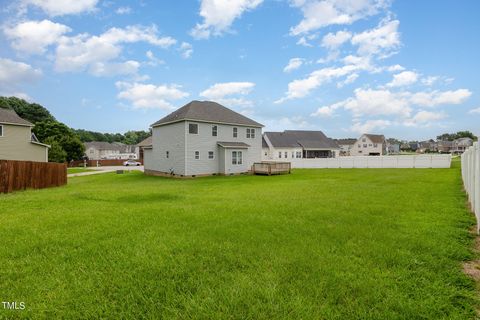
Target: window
{"points": [[248, 132], [299, 154], [365, 145], [369, 144], [1, 131], [210, 154], [293, 154], [359, 151], [235, 132], [197, 155], [234, 157], [167, 154], [286, 154], [265, 154], [279, 154], [193, 128], [375, 145], [239, 155], [214, 131]]}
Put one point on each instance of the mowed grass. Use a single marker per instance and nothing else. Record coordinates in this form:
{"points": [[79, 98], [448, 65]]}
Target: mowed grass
{"points": [[316, 244], [78, 170]]}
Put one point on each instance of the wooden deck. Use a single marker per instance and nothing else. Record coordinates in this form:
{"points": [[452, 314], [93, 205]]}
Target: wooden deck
{"points": [[270, 168]]}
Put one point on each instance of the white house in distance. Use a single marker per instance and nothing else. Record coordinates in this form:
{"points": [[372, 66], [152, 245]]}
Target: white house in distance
{"points": [[293, 144], [369, 145], [97, 150], [345, 145], [203, 138]]}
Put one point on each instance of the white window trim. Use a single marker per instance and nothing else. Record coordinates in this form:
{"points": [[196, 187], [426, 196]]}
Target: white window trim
{"points": [[195, 153], [208, 155], [1, 131]]}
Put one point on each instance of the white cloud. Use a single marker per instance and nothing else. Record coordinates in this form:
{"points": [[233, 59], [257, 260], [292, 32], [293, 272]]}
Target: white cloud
{"points": [[382, 40], [153, 61], [334, 40], [218, 16], [404, 78], [327, 111], [435, 98], [377, 102], [369, 126], [84, 52], [186, 49], [395, 68], [475, 111], [293, 64], [62, 7], [350, 79], [13, 73], [230, 93], [286, 123], [101, 69], [424, 118], [221, 90], [430, 80], [150, 96], [318, 14], [35, 36], [123, 10]]}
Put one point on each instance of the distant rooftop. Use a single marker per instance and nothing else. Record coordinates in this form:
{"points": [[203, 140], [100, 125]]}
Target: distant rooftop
{"points": [[11, 117], [300, 138]]}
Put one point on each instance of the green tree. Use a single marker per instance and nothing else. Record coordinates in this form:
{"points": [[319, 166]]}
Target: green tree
{"points": [[56, 152], [32, 112], [73, 146], [46, 129]]}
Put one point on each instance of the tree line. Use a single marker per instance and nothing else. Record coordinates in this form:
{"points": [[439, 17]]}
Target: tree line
{"points": [[66, 143]]}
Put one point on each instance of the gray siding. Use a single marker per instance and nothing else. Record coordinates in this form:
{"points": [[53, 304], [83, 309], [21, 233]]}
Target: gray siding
{"points": [[169, 138], [15, 144], [204, 142]]}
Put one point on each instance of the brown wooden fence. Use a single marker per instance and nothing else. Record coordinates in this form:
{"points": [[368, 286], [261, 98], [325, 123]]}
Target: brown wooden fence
{"points": [[21, 175]]}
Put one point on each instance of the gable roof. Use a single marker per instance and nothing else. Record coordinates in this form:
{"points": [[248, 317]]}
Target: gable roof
{"points": [[117, 146], [300, 138], [375, 138], [9, 116], [207, 111], [146, 142], [349, 141]]}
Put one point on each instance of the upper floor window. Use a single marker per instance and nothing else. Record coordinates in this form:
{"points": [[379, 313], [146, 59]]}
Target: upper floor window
{"points": [[279, 154], [193, 128], [250, 133], [286, 154], [210, 154], [369, 144], [365, 145], [1, 131], [197, 155], [237, 157], [364, 140], [235, 132], [214, 131], [375, 145], [167, 154]]}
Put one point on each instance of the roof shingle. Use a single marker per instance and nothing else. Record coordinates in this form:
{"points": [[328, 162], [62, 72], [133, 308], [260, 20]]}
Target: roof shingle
{"points": [[300, 138], [207, 111], [11, 117]]}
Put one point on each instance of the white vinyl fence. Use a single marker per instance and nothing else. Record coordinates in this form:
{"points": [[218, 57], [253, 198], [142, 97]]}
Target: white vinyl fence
{"points": [[471, 178], [414, 161]]}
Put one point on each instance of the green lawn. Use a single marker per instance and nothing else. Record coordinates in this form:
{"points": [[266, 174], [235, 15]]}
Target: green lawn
{"points": [[78, 170], [316, 244]]}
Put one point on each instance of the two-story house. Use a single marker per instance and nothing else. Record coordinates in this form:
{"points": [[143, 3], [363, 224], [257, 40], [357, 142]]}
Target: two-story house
{"points": [[369, 145], [97, 150], [17, 142], [203, 138]]}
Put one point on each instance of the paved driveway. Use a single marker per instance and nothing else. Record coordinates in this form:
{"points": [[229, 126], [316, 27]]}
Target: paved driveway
{"points": [[98, 170]]}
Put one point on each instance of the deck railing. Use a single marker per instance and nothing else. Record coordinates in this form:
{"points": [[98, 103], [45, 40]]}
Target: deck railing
{"points": [[269, 168]]}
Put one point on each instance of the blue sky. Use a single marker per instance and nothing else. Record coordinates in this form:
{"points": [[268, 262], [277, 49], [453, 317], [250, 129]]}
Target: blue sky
{"points": [[407, 69]]}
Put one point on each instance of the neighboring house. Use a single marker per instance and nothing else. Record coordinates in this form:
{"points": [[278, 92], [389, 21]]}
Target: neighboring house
{"points": [[17, 142], [393, 148], [203, 138], [461, 144], [141, 146], [427, 146], [345, 146], [98, 150], [444, 146], [369, 145], [293, 144]]}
